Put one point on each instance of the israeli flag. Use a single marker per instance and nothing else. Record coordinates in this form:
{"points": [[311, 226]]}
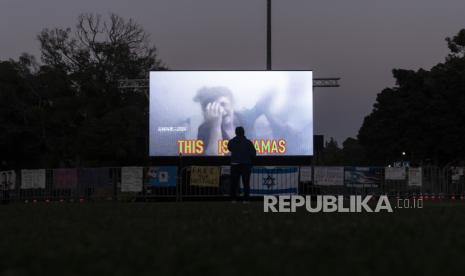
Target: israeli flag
{"points": [[274, 181]]}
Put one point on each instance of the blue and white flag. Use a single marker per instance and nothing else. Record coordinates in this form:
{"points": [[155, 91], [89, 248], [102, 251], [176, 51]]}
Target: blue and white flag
{"points": [[164, 176], [274, 180], [363, 176]]}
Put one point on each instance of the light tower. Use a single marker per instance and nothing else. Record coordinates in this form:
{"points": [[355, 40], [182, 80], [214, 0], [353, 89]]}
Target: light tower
{"points": [[143, 84]]}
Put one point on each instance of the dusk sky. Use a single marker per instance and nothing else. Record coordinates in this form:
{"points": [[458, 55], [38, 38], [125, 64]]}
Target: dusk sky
{"points": [[360, 41]]}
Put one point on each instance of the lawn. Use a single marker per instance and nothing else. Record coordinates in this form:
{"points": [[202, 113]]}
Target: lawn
{"points": [[220, 238]]}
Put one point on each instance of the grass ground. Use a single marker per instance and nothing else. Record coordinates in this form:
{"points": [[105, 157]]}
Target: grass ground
{"points": [[218, 238]]}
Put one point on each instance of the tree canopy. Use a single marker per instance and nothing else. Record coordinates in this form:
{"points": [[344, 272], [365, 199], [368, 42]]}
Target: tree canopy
{"points": [[68, 110], [423, 115]]}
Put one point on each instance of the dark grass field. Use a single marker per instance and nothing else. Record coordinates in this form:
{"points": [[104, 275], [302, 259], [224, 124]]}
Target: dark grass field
{"points": [[219, 238]]}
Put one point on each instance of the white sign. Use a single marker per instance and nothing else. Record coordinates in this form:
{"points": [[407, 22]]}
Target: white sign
{"points": [[33, 179], [329, 176], [414, 177], [131, 179], [394, 173]]}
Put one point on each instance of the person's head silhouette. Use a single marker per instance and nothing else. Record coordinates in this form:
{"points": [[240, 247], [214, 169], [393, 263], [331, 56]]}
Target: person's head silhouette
{"points": [[240, 131]]}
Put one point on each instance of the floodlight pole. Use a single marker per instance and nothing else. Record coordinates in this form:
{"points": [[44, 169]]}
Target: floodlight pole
{"points": [[268, 34], [143, 84]]}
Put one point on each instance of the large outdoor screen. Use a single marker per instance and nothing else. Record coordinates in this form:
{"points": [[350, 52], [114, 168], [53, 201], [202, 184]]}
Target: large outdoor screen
{"points": [[196, 112]]}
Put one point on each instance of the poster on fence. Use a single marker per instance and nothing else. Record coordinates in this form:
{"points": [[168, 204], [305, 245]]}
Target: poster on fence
{"points": [[306, 174], [363, 176], [414, 176], [7, 180], [131, 179], [32, 179], [457, 173], [274, 181], [163, 176], [205, 176], [395, 173], [94, 177], [225, 170], [65, 178], [329, 176]]}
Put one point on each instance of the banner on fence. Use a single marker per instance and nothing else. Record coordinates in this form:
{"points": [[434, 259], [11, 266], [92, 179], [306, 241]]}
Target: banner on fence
{"points": [[65, 178], [414, 176], [363, 176], [225, 170], [163, 176], [32, 179], [306, 174], [94, 177], [274, 180], [457, 173], [395, 173], [131, 179], [329, 176], [7, 180], [204, 176]]}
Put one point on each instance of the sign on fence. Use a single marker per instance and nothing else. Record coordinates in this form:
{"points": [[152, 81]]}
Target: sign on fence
{"points": [[394, 173], [131, 179], [65, 178], [456, 173], [32, 179], [363, 176], [414, 176], [225, 170], [306, 174], [94, 177], [205, 176], [164, 176], [7, 180], [274, 180], [329, 176]]}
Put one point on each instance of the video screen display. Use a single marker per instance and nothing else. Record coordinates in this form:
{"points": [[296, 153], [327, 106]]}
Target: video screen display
{"points": [[196, 112]]}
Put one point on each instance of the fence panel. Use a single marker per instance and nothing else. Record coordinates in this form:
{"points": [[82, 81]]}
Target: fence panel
{"points": [[97, 184]]}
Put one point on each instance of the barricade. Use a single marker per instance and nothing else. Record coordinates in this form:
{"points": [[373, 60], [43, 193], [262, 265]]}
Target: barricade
{"points": [[200, 182]]}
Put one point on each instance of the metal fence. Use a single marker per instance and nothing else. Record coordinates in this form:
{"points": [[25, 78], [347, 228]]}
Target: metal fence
{"points": [[436, 183]]}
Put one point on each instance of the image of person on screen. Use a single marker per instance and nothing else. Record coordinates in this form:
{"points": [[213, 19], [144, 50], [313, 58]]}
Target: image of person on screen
{"points": [[243, 154], [220, 118]]}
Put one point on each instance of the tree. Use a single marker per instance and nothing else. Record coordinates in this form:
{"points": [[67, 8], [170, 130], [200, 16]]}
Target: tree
{"points": [[20, 105], [423, 115], [353, 153], [332, 154], [69, 111], [108, 126]]}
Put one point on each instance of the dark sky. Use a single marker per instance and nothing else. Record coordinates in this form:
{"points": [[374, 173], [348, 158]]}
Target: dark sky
{"points": [[360, 41]]}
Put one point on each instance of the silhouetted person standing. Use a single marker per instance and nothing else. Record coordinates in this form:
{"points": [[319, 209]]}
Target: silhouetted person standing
{"points": [[242, 155]]}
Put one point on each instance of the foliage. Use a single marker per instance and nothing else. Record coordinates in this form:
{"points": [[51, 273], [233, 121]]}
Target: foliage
{"points": [[69, 111], [351, 153], [423, 115]]}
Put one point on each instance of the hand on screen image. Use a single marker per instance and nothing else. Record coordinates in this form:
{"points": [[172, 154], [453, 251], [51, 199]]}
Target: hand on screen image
{"points": [[214, 112], [218, 112]]}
